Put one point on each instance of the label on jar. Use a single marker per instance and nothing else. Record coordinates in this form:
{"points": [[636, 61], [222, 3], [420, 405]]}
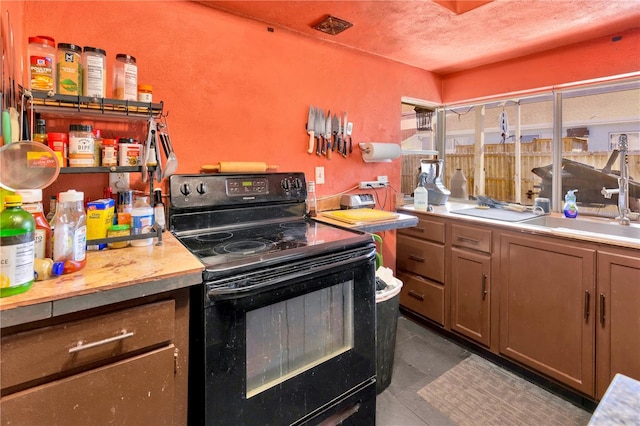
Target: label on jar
{"points": [[81, 152], [41, 68], [109, 156], [130, 154], [69, 73], [95, 76], [17, 254], [60, 149]]}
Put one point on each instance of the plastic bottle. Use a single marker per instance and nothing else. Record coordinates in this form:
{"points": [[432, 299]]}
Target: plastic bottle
{"points": [[420, 197], [40, 131], [32, 202], [17, 235], [141, 221], [53, 204], [158, 208], [81, 146], [570, 208], [125, 78], [46, 268], [94, 73], [311, 199], [70, 232], [459, 185], [42, 64], [59, 143], [69, 69]]}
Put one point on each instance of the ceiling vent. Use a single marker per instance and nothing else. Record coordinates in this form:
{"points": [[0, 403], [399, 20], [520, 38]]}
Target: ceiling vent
{"points": [[332, 25]]}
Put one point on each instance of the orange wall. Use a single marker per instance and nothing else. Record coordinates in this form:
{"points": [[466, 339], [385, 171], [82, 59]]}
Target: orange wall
{"points": [[578, 62]]}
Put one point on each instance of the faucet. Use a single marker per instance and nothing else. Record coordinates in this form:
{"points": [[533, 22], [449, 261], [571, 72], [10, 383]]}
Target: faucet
{"points": [[623, 183]]}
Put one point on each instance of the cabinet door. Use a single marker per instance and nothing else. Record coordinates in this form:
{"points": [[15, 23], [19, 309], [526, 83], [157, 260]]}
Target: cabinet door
{"points": [[470, 294], [420, 257], [422, 296], [618, 316], [547, 307], [136, 391]]}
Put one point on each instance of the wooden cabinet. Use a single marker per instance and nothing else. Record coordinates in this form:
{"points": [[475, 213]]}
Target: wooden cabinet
{"points": [[547, 301], [420, 262], [126, 363], [618, 317]]}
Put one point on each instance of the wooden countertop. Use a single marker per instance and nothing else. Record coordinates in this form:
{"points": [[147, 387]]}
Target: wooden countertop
{"points": [[111, 276], [447, 209]]}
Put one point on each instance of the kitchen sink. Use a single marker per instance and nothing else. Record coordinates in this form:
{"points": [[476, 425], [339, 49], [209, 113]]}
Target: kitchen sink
{"points": [[609, 228]]}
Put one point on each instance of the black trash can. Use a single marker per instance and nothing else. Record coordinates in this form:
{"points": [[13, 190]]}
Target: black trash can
{"points": [[387, 308]]}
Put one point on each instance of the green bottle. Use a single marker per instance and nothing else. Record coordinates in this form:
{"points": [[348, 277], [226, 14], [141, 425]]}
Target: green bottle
{"points": [[17, 247]]}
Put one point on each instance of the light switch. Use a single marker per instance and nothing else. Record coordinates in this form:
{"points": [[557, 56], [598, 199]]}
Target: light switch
{"points": [[319, 175]]}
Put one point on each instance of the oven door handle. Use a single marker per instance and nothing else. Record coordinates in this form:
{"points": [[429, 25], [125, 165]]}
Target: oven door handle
{"points": [[231, 292]]}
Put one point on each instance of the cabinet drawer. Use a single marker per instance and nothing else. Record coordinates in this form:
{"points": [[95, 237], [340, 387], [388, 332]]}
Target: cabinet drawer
{"points": [[136, 391], [42, 352], [426, 229], [420, 257], [470, 237], [422, 296]]}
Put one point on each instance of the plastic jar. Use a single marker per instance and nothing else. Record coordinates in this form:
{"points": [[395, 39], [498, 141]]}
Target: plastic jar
{"points": [[17, 233], [69, 69], [59, 143], [145, 93], [81, 146], [46, 268], [109, 152], [129, 152], [42, 63], [32, 202], [119, 231], [141, 221], [70, 232], [94, 74], [125, 78]]}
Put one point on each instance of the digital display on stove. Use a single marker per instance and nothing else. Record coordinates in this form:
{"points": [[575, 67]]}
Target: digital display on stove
{"points": [[244, 187]]}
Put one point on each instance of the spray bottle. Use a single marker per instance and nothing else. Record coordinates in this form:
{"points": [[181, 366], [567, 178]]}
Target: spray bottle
{"points": [[570, 208]]}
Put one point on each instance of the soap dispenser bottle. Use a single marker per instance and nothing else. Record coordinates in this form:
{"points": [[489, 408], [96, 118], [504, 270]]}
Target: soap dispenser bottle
{"points": [[570, 208], [420, 197]]}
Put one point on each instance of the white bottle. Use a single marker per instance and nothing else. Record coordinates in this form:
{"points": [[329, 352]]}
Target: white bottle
{"points": [[420, 198], [141, 221]]}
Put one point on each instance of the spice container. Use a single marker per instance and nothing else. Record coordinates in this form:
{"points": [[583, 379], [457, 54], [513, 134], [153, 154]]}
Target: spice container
{"points": [[40, 131], [81, 146], [94, 74], [46, 268], [119, 231], [109, 152], [129, 152], [42, 60], [97, 147], [59, 143], [145, 93], [125, 78], [69, 69], [141, 221], [125, 205]]}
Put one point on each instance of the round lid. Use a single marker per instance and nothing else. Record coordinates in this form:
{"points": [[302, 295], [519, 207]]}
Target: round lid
{"points": [[70, 46], [13, 199], [120, 227], [109, 142], [127, 140], [95, 50], [145, 88], [80, 127], [57, 268], [49, 41], [126, 57], [71, 195], [55, 136], [30, 195]]}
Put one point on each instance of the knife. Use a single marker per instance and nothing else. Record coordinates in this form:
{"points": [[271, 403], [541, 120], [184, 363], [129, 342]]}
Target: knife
{"points": [[319, 129], [349, 129], [335, 125], [344, 137], [327, 135], [311, 128]]}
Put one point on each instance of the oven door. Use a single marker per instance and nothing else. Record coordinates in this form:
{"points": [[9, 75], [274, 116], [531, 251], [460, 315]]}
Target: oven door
{"points": [[286, 345]]}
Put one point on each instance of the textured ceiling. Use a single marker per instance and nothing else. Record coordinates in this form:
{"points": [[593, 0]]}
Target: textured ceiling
{"points": [[431, 35]]}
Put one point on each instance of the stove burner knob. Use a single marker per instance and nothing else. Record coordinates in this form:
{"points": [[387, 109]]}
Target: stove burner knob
{"points": [[285, 184], [201, 188], [298, 183], [185, 189]]}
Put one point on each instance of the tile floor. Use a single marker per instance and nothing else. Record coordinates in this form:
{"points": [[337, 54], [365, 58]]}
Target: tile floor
{"points": [[421, 355]]}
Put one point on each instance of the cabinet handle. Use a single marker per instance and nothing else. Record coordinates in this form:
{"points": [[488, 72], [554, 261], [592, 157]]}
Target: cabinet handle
{"points": [[417, 229], [587, 298], [484, 286], [468, 240], [602, 316], [416, 295], [83, 346], [417, 258]]}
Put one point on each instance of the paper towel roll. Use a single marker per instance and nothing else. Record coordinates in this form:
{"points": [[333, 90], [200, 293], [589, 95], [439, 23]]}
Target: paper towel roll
{"points": [[379, 152]]}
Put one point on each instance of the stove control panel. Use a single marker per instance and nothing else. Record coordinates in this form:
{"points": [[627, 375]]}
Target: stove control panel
{"points": [[222, 190]]}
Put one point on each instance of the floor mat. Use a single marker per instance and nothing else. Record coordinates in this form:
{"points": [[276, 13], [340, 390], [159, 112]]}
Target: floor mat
{"points": [[498, 214], [477, 392]]}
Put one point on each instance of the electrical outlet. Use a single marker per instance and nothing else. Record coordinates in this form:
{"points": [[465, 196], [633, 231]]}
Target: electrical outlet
{"points": [[119, 181], [383, 179], [373, 184], [319, 175]]}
